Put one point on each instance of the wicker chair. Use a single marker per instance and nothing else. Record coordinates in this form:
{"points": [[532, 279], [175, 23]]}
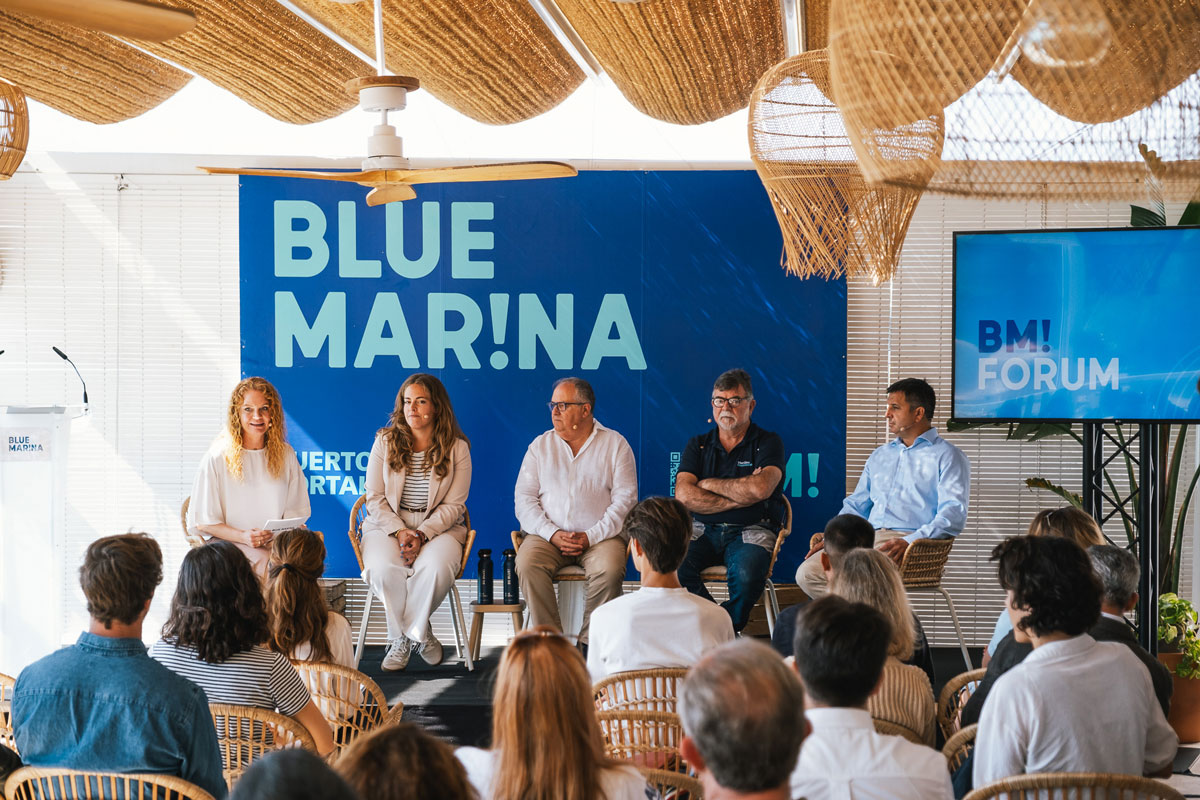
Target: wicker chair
{"points": [[6, 694], [1076, 786], [674, 786], [646, 739], [922, 568], [639, 689], [193, 539], [55, 783], [246, 733], [953, 697], [959, 746], [889, 728], [351, 702], [358, 515], [719, 574]]}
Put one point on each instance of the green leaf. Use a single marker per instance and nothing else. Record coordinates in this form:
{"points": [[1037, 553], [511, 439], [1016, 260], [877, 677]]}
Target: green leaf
{"points": [[1191, 214], [1042, 483], [1145, 218]]}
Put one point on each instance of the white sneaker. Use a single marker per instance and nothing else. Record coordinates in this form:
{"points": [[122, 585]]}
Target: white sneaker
{"points": [[430, 648], [399, 651]]}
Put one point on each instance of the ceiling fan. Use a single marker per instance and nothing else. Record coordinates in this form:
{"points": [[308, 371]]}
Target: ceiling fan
{"points": [[385, 169], [137, 19]]}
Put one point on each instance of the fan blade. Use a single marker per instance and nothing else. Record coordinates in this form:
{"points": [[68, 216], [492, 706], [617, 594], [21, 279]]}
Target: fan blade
{"points": [[518, 171], [372, 177], [390, 194], [133, 18]]}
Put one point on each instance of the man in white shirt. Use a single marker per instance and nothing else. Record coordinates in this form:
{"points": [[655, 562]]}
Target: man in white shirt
{"points": [[840, 650], [662, 624], [576, 484]]}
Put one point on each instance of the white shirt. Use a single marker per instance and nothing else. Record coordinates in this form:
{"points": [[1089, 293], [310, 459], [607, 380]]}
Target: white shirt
{"points": [[218, 498], [340, 639], [1073, 706], [843, 758], [589, 491], [623, 782], [652, 628]]}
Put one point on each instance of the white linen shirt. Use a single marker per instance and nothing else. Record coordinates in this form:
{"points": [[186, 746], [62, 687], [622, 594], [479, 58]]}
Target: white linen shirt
{"points": [[589, 491], [1073, 706], [218, 498]]}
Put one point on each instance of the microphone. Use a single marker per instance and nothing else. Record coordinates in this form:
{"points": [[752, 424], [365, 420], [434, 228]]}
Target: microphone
{"points": [[710, 419], [63, 356], [574, 427], [424, 416]]}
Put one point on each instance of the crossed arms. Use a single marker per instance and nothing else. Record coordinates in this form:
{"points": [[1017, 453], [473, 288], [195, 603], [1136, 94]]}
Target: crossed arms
{"points": [[714, 495]]}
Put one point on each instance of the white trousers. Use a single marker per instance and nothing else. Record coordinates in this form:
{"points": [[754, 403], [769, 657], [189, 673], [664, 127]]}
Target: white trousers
{"points": [[410, 594]]}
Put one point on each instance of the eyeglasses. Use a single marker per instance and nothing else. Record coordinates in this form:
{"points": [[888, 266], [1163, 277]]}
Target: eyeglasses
{"points": [[734, 402], [562, 407]]}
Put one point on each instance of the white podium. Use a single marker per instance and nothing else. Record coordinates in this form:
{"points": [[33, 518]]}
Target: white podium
{"points": [[33, 482]]}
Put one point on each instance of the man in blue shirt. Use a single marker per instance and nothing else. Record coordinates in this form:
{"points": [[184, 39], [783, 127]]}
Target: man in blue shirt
{"points": [[913, 487], [104, 704]]}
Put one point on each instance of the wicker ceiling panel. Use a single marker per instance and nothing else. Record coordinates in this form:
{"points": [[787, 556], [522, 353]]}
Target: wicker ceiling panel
{"points": [[85, 75], [266, 55], [682, 61], [816, 24], [494, 61]]}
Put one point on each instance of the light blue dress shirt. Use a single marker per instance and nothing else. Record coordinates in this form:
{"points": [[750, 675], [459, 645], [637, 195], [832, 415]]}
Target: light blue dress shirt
{"points": [[922, 488]]}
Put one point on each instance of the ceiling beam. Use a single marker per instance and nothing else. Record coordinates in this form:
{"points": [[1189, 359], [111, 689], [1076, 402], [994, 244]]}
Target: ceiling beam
{"points": [[567, 36]]}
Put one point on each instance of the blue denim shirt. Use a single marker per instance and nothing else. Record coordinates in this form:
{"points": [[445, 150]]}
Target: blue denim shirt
{"points": [[104, 704]]}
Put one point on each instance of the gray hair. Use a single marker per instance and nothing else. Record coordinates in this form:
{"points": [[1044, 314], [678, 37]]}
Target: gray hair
{"points": [[1118, 572], [744, 710], [582, 388], [732, 379]]}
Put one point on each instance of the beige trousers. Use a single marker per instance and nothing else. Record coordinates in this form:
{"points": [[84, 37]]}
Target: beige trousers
{"points": [[811, 578], [538, 560]]}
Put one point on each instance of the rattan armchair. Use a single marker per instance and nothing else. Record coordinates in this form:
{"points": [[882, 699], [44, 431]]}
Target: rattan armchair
{"points": [[673, 785], [889, 728], [6, 695], [646, 739], [193, 539], [246, 733], [959, 746], [953, 697], [1076, 786], [54, 783], [640, 689], [351, 702], [719, 574], [922, 569]]}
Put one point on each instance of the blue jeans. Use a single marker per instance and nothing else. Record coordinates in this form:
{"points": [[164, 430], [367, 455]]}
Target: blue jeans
{"points": [[746, 562]]}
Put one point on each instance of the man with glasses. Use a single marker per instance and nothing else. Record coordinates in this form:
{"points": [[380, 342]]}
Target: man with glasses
{"points": [[575, 487], [731, 480]]}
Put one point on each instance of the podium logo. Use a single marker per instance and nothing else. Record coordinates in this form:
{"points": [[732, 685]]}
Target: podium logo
{"points": [[25, 445]]}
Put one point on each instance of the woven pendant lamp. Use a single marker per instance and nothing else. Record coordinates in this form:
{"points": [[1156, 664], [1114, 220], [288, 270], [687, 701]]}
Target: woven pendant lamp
{"points": [[14, 129], [833, 222]]}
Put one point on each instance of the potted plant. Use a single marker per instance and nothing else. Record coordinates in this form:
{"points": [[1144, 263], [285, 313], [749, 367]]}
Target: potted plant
{"points": [[1179, 630]]}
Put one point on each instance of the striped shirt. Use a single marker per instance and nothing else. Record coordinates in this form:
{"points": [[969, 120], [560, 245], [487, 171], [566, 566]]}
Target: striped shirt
{"points": [[256, 677], [905, 698], [416, 484]]}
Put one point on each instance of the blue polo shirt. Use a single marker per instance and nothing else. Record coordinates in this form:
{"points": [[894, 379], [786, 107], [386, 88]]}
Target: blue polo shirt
{"points": [[704, 457]]}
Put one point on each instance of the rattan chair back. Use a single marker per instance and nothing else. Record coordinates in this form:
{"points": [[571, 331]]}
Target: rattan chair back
{"points": [[350, 701], [640, 689], [889, 728], [925, 562], [54, 783], [246, 733], [954, 696], [673, 785], [959, 746], [14, 129], [193, 538], [1076, 786], [646, 739], [6, 695]]}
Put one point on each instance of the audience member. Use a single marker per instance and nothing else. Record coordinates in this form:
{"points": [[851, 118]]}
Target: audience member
{"points": [[731, 479], [661, 624], [743, 722], [292, 774], [841, 648], [914, 487], [1070, 683], [10, 762], [546, 742], [905, 695], [301, 625], [403, 762], [213, 637], [577, 482], [103, 704]]}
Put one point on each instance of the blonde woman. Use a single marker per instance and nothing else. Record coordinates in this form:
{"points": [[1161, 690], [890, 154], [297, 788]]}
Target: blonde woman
{"points": [[250, 475], [905, 696]]}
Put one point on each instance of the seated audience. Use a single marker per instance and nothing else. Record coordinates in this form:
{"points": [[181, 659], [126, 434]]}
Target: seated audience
{"points": [[662, 624], [403, 762], [743, 722], [301, 625], [214, 634], [905, 696], [103, 704], [546, 741], [1075, 704], [841, 648], [292, 774], [10, 762]]}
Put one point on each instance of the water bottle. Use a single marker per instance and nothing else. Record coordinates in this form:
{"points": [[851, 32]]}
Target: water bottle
{"points": [[509, 567], [485, 578]]}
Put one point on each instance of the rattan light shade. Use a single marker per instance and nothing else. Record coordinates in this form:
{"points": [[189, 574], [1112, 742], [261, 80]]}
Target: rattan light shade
{"points": [[833, 221], [14, 129], [682, 61]]}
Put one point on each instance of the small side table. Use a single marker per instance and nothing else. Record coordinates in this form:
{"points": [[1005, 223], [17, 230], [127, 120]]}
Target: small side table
{"points": [[479, 609]]}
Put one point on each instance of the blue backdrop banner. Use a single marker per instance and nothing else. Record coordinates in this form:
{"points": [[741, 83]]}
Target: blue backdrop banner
{"points": [[647, 284]]}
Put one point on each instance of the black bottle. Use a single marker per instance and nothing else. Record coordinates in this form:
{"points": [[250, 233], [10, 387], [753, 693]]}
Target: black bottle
{"points": [[509, 568], [486, 576]]}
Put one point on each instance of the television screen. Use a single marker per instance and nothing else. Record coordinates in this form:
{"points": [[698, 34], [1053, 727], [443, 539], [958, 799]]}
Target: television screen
{"points": [[1059, 325]]}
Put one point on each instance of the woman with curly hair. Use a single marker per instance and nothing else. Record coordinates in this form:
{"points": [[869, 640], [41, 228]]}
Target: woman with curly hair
{"points": [[301, 625], [403, 762], [418, 477], [214, 635], [249, 476], [546, 742]]}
